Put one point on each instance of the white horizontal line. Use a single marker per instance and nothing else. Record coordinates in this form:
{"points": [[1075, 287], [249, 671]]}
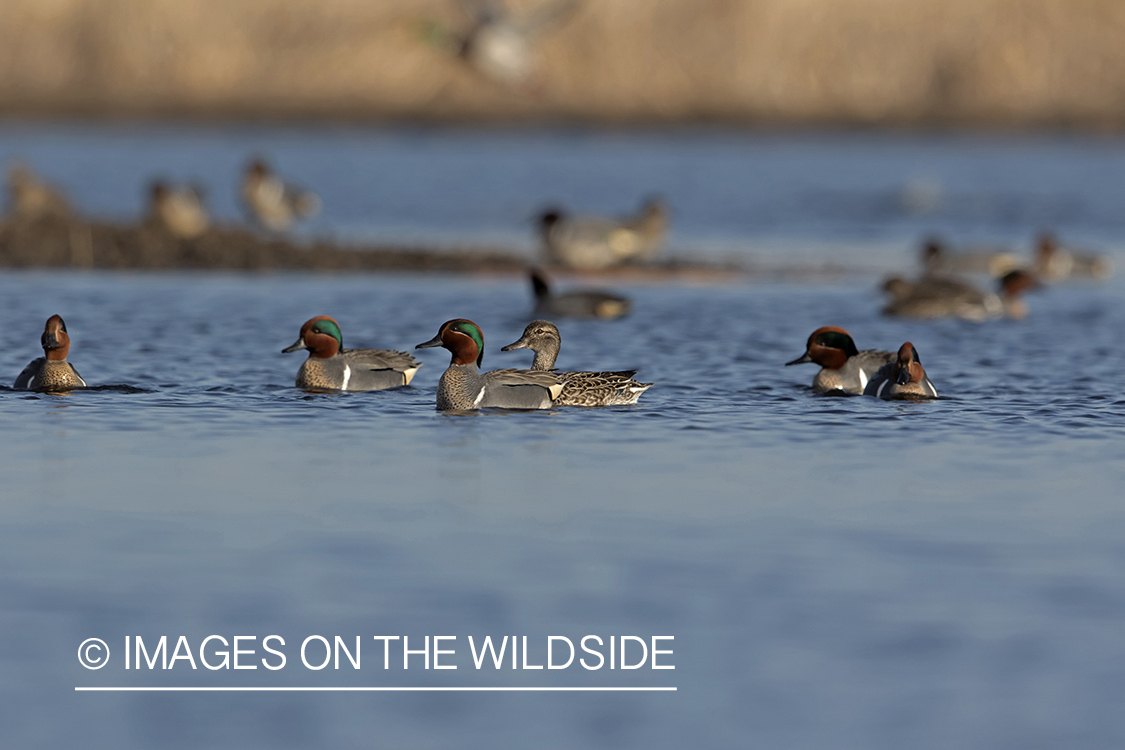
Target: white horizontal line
{"points": [[389, 689]]}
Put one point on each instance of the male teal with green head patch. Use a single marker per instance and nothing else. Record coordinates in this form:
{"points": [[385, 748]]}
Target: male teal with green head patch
{"points": [[331, 367], [321, 336], [463, 388], [463, 338], [329, 327]]}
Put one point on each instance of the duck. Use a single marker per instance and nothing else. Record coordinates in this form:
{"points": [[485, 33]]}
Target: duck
{"points": [[580, 388], [933, 297], [177, 210], [31, 198], [844, 369], [902, 379], [334, 368], [592, 243], [582, 303], [1053, 263], [937, 260], [500, 45], [929, 286], [274, 204], [463, 388], [51, 372]]}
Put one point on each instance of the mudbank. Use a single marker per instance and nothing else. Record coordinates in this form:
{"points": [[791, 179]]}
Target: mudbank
{"points": [[60, 243]]}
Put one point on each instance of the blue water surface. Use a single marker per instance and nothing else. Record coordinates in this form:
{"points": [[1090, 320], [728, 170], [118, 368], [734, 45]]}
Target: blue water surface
{"points": [[836, 572]]}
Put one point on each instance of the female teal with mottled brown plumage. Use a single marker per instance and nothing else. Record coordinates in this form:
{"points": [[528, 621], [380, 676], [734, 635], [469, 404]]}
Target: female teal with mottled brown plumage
{"points": [[464, 388], [580, 388], [51, 372], [330, 367], [902, 379]]}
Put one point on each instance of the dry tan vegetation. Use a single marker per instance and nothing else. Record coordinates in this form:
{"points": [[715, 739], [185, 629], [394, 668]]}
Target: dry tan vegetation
{"points": [[975, 62]]}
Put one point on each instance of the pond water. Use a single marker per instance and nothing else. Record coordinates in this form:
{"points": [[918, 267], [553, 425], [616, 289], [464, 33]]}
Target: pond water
{"points": [[835, 572]]}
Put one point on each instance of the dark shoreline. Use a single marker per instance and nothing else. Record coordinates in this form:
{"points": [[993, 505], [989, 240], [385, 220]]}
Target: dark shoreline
{"points": [[57, 243], [61, 243]]}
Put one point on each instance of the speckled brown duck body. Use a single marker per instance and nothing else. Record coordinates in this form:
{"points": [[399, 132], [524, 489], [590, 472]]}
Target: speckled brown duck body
{"points": [[52, 372], [844, 369], [333, 368], [464, 388], [902, 379], [581, 388]]}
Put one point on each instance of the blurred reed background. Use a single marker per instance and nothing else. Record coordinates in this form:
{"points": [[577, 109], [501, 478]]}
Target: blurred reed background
{"points": [[995, 63]]}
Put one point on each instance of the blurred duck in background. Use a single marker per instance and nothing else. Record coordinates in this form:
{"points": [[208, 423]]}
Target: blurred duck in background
{"points": [[178, 210], [937, 259], [1055, 263], [31, 198], [921, 195], [500, 44], [579, 388], [591, 243], [902, 379], [583, 303], [934, 297], [274, 204]]}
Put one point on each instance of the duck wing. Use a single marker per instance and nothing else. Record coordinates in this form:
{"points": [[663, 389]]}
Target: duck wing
{"points": [[381, 359], [24, 378], [521, 389], [600, 388]]}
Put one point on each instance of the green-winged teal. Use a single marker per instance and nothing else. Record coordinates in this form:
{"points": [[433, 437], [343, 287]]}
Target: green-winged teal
{"points": [[595, 243], [274, 204], [938, 260], [331, 367], [177, 210], [1055, 263], [499, 44], [902, 379], [463, 387], [31, 198], [580, 388], [51, 372], [582, 303], [934, 297], [843, 367]]}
